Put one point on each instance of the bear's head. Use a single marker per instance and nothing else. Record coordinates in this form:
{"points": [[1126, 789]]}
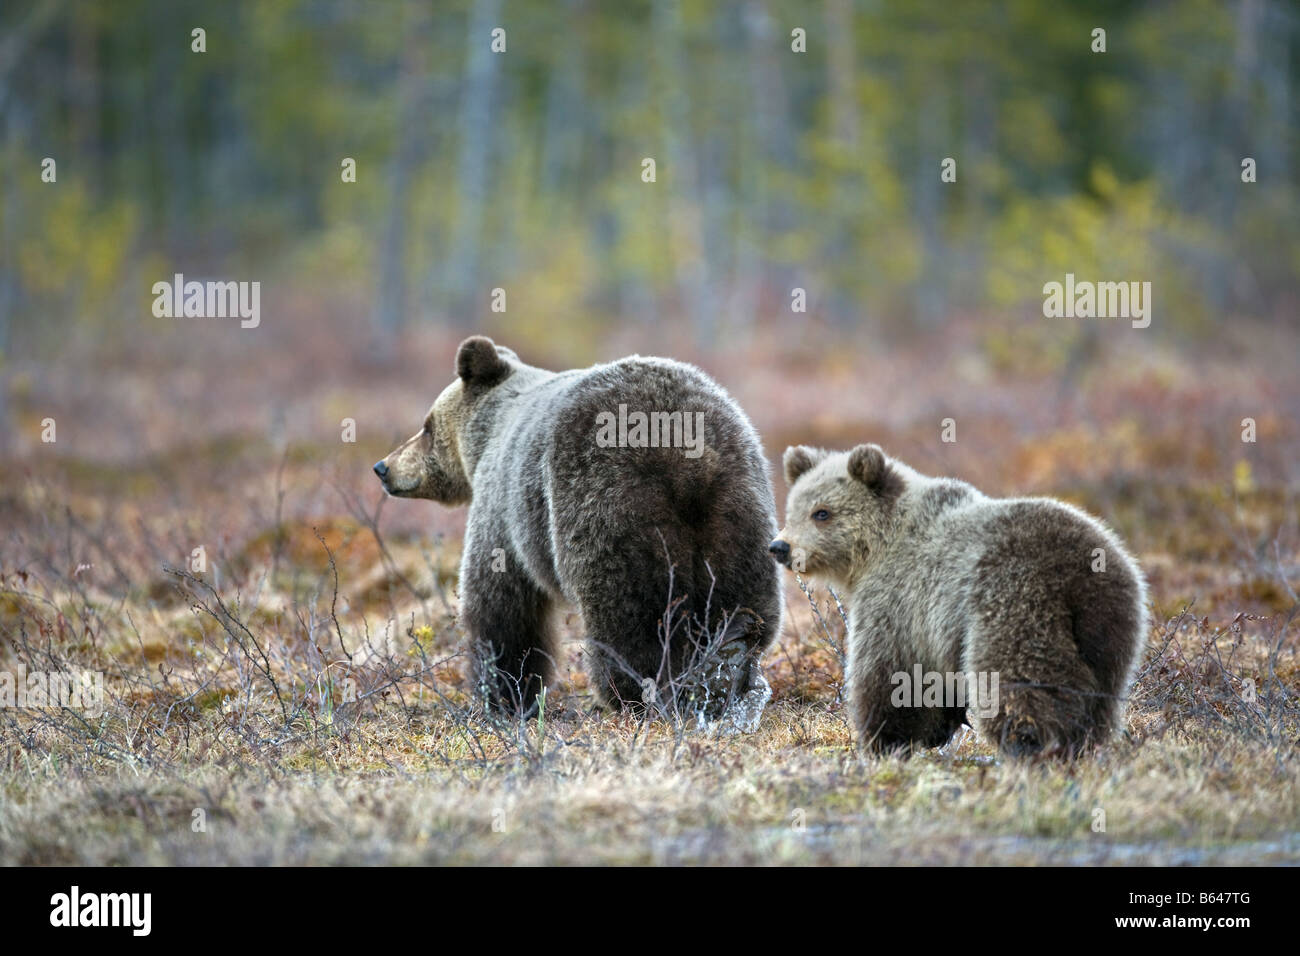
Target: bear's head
{"points": [[838, 510], [431, 464]]}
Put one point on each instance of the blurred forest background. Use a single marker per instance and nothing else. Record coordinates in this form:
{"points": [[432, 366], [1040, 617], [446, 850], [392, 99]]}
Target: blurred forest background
{"points": [[521, 169], [775, 170]]}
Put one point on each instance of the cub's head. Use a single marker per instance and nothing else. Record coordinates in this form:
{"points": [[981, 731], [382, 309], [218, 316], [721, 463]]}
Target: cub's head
{"points": [[837, 511], [430, 464]]}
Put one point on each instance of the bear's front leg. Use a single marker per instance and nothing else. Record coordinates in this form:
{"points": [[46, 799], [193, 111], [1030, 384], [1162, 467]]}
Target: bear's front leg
{"points": [[507, 617]]}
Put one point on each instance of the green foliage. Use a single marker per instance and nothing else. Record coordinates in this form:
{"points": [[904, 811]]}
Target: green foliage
{"points": [[74, 249], [775, 169]]}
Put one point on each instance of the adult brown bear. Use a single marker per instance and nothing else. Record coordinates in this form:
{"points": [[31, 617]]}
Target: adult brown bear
{"points": [[636, 491]]}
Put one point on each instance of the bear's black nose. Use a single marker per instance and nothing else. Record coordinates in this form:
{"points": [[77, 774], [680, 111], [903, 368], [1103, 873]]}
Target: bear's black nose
{"points": [[381, 469], [780, 550]]}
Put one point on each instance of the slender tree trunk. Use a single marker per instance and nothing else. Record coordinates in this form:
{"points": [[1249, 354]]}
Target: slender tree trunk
{"points": [[477, 130], [8, 248], [393, 295], [83, 90], [930, 299], [563, 136], [842, 82], [680, 176], [775, 149], [979, 120], [13, 47]]}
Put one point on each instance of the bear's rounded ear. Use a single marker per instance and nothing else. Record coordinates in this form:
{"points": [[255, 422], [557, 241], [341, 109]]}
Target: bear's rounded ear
{"points": [[868, 464], [477, 362], [798, 459]]}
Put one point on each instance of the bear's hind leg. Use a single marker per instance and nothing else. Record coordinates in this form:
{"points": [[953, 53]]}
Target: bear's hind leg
{"points": [[1046, 695], [645, 646], [627, 657]]}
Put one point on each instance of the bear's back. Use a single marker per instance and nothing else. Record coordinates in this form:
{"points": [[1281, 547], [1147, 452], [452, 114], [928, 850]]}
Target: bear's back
{"points": [[1043, 533], [695, 448], [565, 457]]}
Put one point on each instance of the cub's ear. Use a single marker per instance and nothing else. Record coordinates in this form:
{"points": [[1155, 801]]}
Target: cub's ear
{"points": [[868, 464], [798, 459], [478, 364]]}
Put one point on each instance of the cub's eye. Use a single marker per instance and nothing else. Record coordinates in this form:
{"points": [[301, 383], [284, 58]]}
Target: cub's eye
{"points": [[821, 514]]}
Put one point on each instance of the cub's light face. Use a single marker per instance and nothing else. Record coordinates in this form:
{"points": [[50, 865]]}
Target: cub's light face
{"points": [[823, 520], [428, 464], [837, 512]]}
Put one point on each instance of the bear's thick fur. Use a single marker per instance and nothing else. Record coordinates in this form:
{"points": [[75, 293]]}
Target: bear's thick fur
{"points": [[941, 579], [569, 503]]}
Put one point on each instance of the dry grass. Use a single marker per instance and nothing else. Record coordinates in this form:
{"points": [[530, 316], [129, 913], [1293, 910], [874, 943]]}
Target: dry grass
{"points": [[304, 695], [410, 774]]}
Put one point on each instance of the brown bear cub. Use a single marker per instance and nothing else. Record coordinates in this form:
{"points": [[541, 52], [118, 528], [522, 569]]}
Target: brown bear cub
{"points": [[1024, 616], [636, 491]]}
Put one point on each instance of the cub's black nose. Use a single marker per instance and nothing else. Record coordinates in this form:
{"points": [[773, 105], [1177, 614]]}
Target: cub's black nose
{"points": [[381, 469], [780, 550]]}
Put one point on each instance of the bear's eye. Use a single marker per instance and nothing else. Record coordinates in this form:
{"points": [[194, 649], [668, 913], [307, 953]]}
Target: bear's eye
{"points": [[821, 514]]}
